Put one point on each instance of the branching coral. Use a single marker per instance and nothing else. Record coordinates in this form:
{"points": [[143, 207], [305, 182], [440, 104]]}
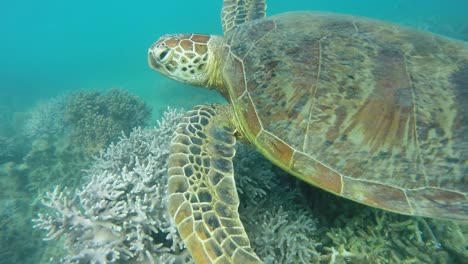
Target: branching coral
{"points": [[282, 235], [281, 227], [65, 132], [254, 175], [376, 236], [120, 214]]}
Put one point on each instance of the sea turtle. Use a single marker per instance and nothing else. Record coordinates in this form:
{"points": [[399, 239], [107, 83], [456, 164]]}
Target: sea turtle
{"points": [[367, 110]]}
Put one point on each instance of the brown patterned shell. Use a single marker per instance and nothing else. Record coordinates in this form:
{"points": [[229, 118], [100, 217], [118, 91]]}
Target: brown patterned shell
{"points": [[368, 110]]}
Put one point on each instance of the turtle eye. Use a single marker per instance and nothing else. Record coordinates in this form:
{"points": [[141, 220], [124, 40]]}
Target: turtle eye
{"points": [[164, 55]]}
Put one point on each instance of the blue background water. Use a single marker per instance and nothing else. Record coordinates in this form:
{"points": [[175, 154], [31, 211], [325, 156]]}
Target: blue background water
{"points": [[48, 47]]}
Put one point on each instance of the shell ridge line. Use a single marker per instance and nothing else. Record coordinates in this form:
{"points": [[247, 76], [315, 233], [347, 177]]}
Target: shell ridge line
{"points": [[260, 39], [246, 93], [326, 166], [314, 89], [416, 138], [230, 94], [408, 202]]}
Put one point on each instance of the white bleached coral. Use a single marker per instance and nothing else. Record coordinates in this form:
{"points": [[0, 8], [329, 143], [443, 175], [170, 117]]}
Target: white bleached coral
{"points": [[120, 215]]}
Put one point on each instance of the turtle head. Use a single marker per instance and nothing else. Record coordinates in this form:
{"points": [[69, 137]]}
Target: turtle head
{"points": [[188, 58]]}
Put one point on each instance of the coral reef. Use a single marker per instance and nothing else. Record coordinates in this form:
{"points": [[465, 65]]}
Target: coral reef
{"points": [[45, 129], [67, 130], [119, 215], [15, 213], [10, 120], [281, 227], [373, 236], [254, 175], [282, 234], [353, 233], [96, 118], [6, 149], [46, 119], [38, 152], [52, 162]]}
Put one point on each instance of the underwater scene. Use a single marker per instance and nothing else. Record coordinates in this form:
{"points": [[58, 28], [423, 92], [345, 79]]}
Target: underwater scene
{"points": [[86, 125]]}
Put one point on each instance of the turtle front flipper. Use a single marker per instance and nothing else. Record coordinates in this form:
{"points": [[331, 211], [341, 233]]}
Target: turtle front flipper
{"points": [[236, 12], [203, 200]]}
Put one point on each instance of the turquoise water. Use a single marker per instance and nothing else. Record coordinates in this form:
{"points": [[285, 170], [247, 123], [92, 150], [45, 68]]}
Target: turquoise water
{"points": [[51, 48]]}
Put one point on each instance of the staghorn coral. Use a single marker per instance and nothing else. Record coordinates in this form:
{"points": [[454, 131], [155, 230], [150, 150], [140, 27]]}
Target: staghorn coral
{"points": [[282, 235], [97, 118], [254, 175], [375, 236], [49, 157], [120, 215], [280, 225], [451, 236], [354, 233], [65, 131], [45, 152]]}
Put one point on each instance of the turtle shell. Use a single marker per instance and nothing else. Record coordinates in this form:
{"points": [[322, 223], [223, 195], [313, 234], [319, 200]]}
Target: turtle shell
{"points": [[371, 111]]}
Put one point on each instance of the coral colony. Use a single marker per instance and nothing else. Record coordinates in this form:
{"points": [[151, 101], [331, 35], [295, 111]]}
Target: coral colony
{"points": [[119, 215]]}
